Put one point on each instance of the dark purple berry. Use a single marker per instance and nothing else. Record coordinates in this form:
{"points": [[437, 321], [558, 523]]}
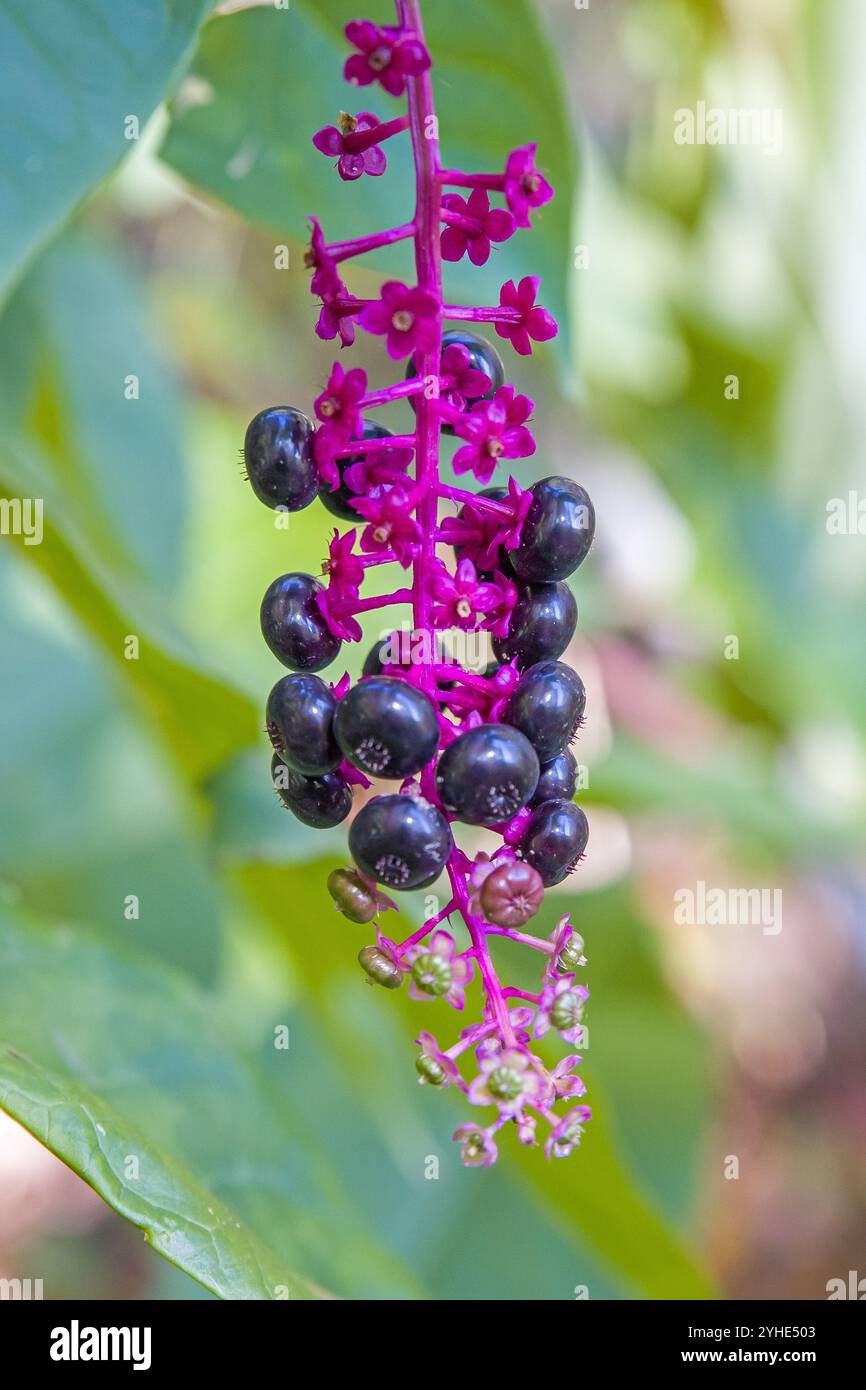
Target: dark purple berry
{"points": [[547, 706], [300, 723], [483, 358], [557, 532], [278, 452], [293, 626], [554, 839], [386, 727], [558, 780], [339, 500], [321, 802], [487, 774], [542, 624], [401, 841], [511, 894]]}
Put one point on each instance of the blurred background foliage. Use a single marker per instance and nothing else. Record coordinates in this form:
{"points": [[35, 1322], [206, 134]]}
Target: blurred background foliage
{"points": [[721, 639]]}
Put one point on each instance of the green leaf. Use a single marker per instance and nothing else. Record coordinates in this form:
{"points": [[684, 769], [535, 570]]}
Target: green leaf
{"points": [[72, 75], [275, 77], [129, 1075]]}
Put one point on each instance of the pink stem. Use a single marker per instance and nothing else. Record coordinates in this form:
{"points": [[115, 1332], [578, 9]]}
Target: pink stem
{"points": [[471, 225], [426, 928], [457, 179], [359, 246], [361, 140], [363, 605], [536, 942], [385, 557], [467, 313], [413, 387], [375, 446], [484, 504]]}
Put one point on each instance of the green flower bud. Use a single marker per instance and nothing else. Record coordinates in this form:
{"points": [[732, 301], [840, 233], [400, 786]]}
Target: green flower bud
{"points": [[571, 956], [380, 967], [505, 1083], [429, 1069], [352, 895], [567, 1010], [432, 973]]}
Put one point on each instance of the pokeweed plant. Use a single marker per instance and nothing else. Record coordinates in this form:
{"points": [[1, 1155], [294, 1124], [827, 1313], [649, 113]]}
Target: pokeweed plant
{"points": [[483, 748]]}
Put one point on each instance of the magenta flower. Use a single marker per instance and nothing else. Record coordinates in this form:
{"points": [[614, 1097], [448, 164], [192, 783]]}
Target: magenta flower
{"points": [[337, 406], [477, 1147], [326, 442], [388, 54], [344, 569], [534, 325], [487, 225], [338, 619], [380, 469], [391, 524], [352, 163], [408, 318], [480, 533], [565, 1137], [334, 319], [564, 1080], [524, 187], [318, 259], [561, 1007], [507, 1079], [567, 950], [438, 971], [489, 437], [467, 382], [499, 617], [463, 601], [434, 1066]]}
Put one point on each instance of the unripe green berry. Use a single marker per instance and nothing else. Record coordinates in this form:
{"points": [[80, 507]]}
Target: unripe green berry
{"points": [[380, 967], [429, 1069], [571, 956], [432, 973], [567, 1010], [505, 1083], [352, 895]]}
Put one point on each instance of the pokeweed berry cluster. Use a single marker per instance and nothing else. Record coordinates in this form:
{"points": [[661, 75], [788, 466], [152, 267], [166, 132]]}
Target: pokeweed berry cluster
{"points": [[484, 748]]}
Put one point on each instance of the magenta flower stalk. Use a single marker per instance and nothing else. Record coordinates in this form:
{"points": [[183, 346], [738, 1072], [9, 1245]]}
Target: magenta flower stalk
{"points": [[461, 742]]}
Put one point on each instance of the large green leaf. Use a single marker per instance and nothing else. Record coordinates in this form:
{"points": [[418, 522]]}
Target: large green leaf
{"points": [[72, 76], [275, 77], [128, 1074]]}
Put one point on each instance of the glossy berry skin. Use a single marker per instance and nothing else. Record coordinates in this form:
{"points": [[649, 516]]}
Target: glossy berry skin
{"points": [[511, 894], [487, 774], [547, 706], [300, 724], [401, 841], [321, 802], [293, 626], [542, 625], [557, 531], [339, 500], [353, 897], [278, 452], [554, 839], [557, 781], [483, 358], [386, 727]]}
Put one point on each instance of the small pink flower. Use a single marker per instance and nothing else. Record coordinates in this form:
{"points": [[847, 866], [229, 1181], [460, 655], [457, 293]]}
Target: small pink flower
{"points": [[430, 1049], [535, 324], [526, 1129], [489, 437], [334, 320], [326, 441], [563, 936], [318, 259], [351, 164], [344, 569], [388, 54], [561, 1007], [524, 187], [337, 406], [565, 1137], [407, 317], [376, 470], [564, 1080], [338, 620], [439, 971], [467, 381], [500, 617], [355, 779], [507, 1079], [463, 601], [391, 525], [490, 224], [477, 1147]]}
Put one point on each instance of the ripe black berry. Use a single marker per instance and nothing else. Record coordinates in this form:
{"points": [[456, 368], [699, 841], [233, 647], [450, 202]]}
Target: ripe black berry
{"points": [[483, 358], [386, 727], [293, 626], [300, 724], [542, 624], [554, 839], [401, 841], [321, 802], [557, 781], [278, 452], [339, 500], [557, 532], [547, 706], [487, 774]]}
